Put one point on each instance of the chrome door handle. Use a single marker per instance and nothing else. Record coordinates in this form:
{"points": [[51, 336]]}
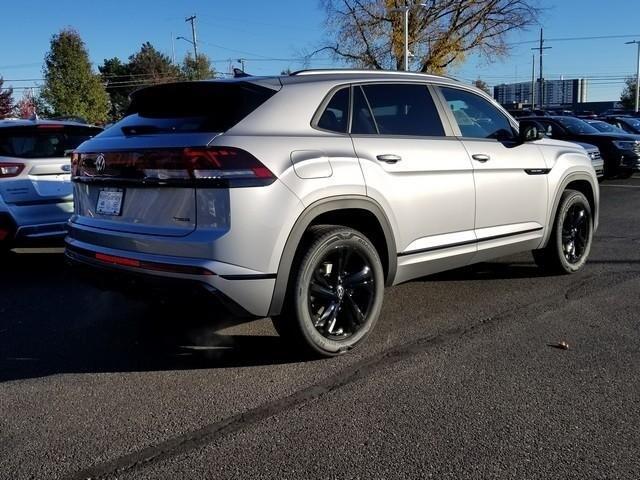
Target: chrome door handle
{"points": [[481, 157], [389, 158]]}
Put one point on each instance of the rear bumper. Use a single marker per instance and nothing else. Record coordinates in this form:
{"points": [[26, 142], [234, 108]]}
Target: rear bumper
{"points": [[24, 235], [36, 223], [244, 292]]}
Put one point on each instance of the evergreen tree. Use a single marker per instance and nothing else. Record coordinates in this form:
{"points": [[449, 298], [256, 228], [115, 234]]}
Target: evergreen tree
{"points": [[70, 86], [628, 96], [119, 85], [6, 100], [149, 66]]}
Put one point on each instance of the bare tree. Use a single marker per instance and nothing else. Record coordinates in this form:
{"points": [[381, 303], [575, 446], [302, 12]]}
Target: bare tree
{"points": [[369, 34]]}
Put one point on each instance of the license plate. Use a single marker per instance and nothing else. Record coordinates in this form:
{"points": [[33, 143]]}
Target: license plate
{"points": [[110, 201]]}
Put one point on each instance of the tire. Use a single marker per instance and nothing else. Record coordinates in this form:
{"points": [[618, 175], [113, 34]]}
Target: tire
{"points": [[624, 174], [335, 295], [570, 241]]}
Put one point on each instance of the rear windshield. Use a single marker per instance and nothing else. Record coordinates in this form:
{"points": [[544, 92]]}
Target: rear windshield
{"points": [[43, 141], [190, 107]]}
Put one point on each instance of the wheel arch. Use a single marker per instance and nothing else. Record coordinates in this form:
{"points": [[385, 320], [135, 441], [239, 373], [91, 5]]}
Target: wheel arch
{"points": [[360, 213], [583, 183]]}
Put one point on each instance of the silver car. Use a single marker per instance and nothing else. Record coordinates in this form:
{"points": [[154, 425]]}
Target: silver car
{"points": [[35, 179], [300, 197], [597, 162]]}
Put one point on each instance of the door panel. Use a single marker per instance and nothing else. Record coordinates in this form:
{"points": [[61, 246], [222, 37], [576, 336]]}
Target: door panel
{"points": [[510, 178], [511, 186], [422, 178], [429, 192]]}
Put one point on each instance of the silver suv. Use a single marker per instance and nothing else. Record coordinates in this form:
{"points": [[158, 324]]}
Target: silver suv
{"points": [[35, 179], [300, 197]]}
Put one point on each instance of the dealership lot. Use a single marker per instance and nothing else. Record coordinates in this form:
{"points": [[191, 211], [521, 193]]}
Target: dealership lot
{"points": [[459, 379]]}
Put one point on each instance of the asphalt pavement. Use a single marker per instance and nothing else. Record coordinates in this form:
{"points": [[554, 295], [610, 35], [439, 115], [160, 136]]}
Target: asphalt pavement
{"points": [[462, 377]]}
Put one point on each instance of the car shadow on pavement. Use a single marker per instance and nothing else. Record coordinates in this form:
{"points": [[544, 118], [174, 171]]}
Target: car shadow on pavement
{"points": [[50, 323]]}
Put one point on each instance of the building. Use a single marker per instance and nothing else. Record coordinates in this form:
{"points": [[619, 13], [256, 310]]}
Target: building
{"points": [[556, 92]]}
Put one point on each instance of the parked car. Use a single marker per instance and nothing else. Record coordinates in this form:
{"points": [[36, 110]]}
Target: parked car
{"points": [[300, 197], [621, 152], [597, 162], [587, 114], [626, 124], [35, 185], [605, 127]]}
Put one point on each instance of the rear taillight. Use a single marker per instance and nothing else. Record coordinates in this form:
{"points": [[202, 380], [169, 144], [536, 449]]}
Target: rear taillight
{"points": [[10, 169], [75, 158], [215, 166]]}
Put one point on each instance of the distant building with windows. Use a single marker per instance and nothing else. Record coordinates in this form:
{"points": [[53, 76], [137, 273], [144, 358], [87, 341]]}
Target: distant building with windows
{"points": [[556, 92]]}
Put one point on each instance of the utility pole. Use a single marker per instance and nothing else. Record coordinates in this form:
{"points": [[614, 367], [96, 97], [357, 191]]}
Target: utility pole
{"points": [[637, 74], [173, 49], [540, 49], [192, 19], [533, 81], [241, 62]]}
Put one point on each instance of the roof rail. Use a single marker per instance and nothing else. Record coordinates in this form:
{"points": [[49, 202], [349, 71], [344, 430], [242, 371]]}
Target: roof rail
{"points": [[361, 72]]}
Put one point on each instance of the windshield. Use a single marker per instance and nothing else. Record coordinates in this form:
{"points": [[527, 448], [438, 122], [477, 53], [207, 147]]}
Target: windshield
{"points": [[43, 141], [634, 122], [606, 127], [576, 126]]}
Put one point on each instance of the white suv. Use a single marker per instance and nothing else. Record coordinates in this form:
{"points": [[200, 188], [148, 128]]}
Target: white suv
{"points": [[35, 179], [300, 197]]}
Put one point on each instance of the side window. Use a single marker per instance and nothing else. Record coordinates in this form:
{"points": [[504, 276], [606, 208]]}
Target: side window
{"points": [[551, 130], [476, 117], [404, 109], [336, 114], [362, 122]]}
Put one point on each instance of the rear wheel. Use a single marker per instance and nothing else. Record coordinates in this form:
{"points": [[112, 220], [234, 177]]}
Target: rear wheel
{"points": [[336, 295], [570, 241]]}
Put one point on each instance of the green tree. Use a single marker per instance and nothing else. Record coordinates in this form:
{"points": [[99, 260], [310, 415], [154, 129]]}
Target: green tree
{"points": [[71, 88], [628, 96], [482, 85], [149, 66], [119, 84], [200, 70], [442, 33], [6, 100]]}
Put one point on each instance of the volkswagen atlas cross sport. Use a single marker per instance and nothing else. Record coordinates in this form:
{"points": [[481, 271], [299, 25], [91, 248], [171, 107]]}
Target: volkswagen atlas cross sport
{"points": [[35, 179], [300, 197]]}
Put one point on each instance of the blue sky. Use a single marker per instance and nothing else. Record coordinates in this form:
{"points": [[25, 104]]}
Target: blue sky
{"points": [[260, 31]]}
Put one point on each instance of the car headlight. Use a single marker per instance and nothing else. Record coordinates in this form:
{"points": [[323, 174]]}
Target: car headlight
{"points": [[626, 145]]}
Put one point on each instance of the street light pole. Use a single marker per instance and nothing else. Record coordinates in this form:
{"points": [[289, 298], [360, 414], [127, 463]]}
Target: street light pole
{"points": [[192, 19], [405, 12], [637, 74]]}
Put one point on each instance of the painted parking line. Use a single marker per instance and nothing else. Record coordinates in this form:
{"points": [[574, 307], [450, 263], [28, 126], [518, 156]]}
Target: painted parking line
{"points": [[620, 186]]}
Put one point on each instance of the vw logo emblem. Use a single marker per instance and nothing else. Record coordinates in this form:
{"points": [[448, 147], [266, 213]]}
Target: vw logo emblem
{"points": [[101, 163]]}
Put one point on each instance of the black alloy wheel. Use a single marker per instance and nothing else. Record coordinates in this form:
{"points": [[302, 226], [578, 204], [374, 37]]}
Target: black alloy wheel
{"points": [[575, 233], [335, 294], [341, 292]]}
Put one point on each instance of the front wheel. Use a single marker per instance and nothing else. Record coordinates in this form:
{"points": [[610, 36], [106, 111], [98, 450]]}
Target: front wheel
{"points": [[571, 236], [337, 293]]}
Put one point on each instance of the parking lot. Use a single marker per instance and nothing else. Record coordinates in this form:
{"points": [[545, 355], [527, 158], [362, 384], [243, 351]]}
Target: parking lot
{"points": [[460, 379]]}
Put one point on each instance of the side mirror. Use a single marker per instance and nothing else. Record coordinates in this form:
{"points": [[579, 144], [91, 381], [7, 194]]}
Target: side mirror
{"points": [[530, 131]]}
